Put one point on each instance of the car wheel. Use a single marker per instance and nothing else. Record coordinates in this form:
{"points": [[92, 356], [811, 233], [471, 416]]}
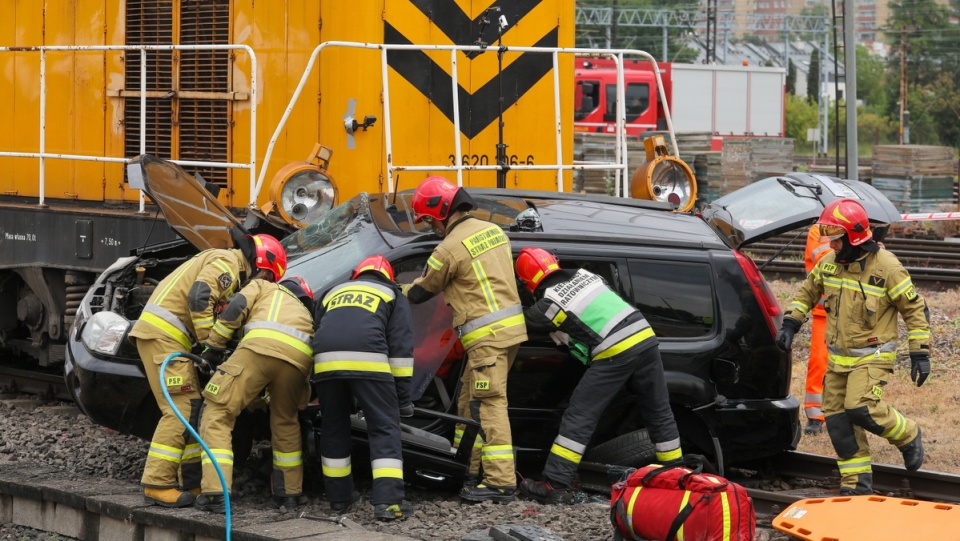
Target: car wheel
{"points": [[633, 449]]}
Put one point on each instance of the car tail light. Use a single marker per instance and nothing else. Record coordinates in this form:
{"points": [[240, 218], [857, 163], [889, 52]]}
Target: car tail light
{"points": [[761, 290]]}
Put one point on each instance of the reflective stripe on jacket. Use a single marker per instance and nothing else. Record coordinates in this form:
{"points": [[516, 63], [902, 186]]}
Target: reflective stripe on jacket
{"points": [[365, 330], [274, 323], [813, 252], [473, 267], [189, 295], [862, 300], [582, 305]]}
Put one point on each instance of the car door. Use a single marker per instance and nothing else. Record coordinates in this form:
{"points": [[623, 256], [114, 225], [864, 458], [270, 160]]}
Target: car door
{"points": [[783, 203]]}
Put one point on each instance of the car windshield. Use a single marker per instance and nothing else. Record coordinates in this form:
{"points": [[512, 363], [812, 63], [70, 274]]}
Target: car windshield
{"points": [[771, 200], [327, 249]]}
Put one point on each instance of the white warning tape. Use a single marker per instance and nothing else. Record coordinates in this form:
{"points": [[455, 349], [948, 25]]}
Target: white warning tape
{"points": [[923, 216]]}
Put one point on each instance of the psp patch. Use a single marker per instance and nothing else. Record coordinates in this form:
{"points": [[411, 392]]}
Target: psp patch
{"points": [[482, 385]]}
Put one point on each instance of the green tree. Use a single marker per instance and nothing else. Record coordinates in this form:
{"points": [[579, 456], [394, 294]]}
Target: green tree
{"points": [[871, 79], [813, 77], [791, 77], [801, 115], [931, 41]]}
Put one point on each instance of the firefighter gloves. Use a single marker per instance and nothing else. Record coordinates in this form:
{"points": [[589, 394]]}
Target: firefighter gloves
{"points": [[919, 366], [212, 357], [789, 328]]}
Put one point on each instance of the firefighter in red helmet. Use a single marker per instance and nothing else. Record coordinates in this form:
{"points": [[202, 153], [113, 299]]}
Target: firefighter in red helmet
{"points": [[864, 288], [178, 316], [579, 310], [273, 353], [473, 268], [363, 350]]}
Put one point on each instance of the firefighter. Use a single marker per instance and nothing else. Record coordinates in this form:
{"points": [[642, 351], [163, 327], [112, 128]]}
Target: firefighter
{"points": [[473, 268], [363, 351], [864, 287], [618, 346], [178, 315], [817, 247], [274, 353]]}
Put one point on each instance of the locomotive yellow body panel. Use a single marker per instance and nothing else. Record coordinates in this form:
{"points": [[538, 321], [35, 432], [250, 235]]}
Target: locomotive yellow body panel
{"points": [[200, 103]]}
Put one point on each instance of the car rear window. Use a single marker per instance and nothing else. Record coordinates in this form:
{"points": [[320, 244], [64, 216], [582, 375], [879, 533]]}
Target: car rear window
{"points": [[676, 298]]}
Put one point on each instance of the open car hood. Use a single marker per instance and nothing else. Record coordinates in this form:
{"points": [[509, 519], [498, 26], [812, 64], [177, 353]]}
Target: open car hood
{"points": [[192, 211], [774, 205]]}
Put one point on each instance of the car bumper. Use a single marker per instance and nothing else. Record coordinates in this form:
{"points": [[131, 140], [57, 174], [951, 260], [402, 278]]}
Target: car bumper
{"points": [[758, 428], [111, 393]]}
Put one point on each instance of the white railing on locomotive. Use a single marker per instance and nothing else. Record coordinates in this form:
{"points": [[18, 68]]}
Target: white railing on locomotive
{"points": [[43, 155], [618, 165]]}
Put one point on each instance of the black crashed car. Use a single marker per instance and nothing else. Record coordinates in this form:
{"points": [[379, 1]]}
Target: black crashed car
{"points": [[708, 303]]}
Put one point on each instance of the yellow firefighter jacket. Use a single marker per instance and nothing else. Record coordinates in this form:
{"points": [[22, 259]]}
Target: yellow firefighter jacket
{"points": [[862, 300], [182, 306], [274, 323], [473, 267]]}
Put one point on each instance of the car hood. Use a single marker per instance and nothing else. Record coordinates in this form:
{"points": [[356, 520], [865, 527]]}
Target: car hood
{"points": [[190, 209], [783, 203]]}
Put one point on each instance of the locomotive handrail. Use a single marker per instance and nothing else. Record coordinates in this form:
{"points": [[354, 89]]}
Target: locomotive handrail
{"points": [[43, 155], [619, 165]]}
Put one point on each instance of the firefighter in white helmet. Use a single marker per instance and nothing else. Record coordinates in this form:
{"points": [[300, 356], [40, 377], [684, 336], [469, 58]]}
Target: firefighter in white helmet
{"points": [[178, 315], [864, 288], [363, 350], [275, 325], [619, 348], [473, 268]]}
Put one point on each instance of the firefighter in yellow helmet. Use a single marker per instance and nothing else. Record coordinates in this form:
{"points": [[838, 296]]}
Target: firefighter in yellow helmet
{"points": [[179, 315], [578, 309], [473, 268], [274, 353], [363, 350], [865, 287]]}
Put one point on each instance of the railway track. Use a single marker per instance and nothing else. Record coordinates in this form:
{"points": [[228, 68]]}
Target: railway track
{"points": [[931, 263]]}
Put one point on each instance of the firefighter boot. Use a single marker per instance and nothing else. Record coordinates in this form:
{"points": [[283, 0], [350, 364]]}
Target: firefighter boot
{"points": [[167, 497], [913, 453], [544, 491], [286, 502], [343, 507], [392, 512], [814, 427], [211, 503], [485, 493]]}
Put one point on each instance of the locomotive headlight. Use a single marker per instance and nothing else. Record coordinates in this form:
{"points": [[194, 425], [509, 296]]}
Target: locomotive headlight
{"points": [[105, 332], [302, 192], [664, 177]]}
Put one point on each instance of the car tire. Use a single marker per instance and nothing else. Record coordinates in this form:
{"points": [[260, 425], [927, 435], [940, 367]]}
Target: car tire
{"points": [[633, 449]]}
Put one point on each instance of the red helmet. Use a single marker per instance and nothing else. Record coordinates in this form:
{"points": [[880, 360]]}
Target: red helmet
{"points": [[376, 263], [270, 255], [298, 286], [845, 217], [533, 265], [433, 198]]}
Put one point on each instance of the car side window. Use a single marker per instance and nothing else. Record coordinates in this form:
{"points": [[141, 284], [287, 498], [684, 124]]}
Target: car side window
{"points": [[676, 298]]}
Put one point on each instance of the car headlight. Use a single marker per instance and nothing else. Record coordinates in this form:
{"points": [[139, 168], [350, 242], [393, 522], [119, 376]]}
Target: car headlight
{"points": [[104, 332]]}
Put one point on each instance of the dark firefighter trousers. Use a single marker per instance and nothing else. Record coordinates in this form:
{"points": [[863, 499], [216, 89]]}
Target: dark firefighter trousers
{"points": [[642, 371], [381, 410], [853, 404], [173, 453], [237, 384]]}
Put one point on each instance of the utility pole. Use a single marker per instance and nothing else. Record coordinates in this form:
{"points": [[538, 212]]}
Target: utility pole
{"points": [[904, 115], [614, 15], [850, 78]]}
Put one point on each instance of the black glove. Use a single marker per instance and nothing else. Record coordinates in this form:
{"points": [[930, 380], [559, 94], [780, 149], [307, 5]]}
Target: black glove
{"points": [[788, 328], [919, 366], [212, 357], [406, 409]]}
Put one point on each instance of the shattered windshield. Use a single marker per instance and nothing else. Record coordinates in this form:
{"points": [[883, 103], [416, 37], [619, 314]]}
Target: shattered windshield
{"points": [[330, 247]]}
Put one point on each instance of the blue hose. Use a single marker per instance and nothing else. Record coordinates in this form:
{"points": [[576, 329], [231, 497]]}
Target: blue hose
{"points": [[213, 458]]}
